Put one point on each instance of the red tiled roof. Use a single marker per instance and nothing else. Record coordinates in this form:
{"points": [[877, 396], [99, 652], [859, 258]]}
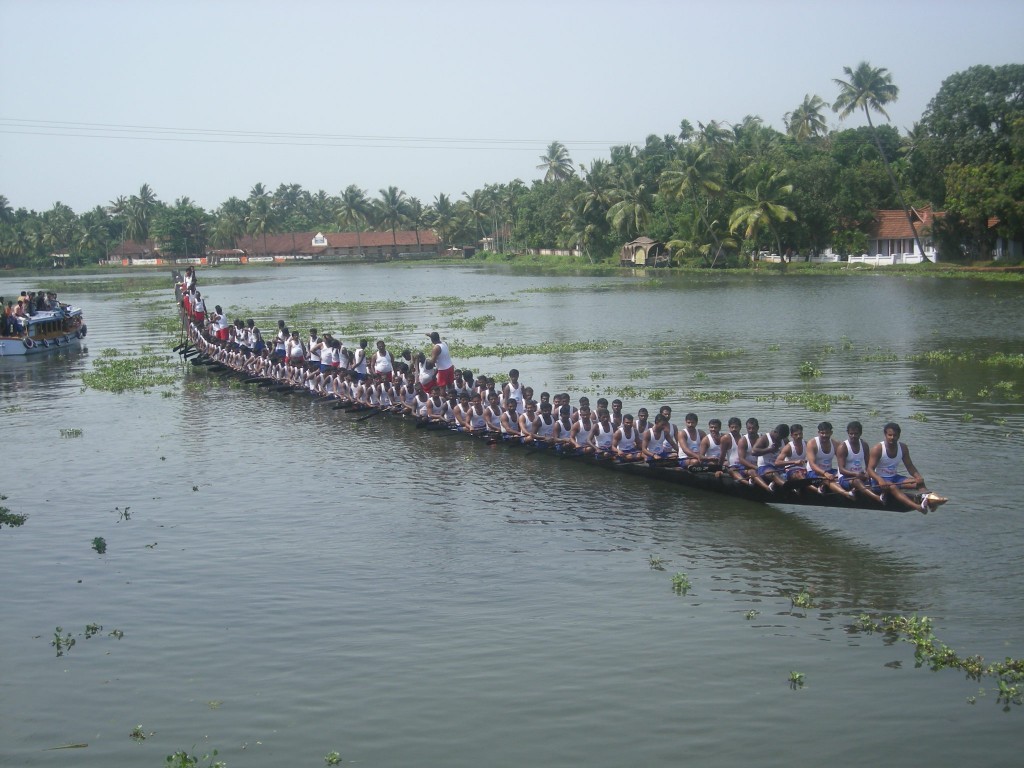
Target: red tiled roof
{"points": [[893, 225], [302, 242]]}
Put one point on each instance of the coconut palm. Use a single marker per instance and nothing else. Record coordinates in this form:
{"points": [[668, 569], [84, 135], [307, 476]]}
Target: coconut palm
{"points": [[353, 212], [418, 216], [693, 176], [761, 207], [392, 209], [870, 89], [806, 121], [444, 217], [634, 202], [556, 163], [261, 218]]}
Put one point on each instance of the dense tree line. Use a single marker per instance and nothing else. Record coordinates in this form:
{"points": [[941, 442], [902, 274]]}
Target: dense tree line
{"points": [[712, 191]]}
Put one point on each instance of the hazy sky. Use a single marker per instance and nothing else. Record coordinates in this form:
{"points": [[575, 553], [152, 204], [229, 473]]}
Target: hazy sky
{"points": [[207, 98]]}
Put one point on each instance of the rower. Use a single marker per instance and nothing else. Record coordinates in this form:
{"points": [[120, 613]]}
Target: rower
{"points": [[658, 442], [711, 445], [883, 466], [852, 462], [767, 449], [689, 440], [821, 453], [626, 443]]}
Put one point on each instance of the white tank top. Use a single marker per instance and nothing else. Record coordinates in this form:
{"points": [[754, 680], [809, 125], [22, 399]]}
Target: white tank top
{"points": [[604, 438], [767, 459], [627, 443], [824, 457], [855, 461], [888, 466], [444, 358], [714, 449]]}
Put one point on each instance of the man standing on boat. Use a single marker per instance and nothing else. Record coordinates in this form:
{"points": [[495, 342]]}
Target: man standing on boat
{"points": [[442, 360]]}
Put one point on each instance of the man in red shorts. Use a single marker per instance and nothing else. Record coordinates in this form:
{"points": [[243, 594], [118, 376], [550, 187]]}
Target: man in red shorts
{"points": [[442, 360]]}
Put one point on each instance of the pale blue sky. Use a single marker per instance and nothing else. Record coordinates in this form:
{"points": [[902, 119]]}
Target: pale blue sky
{"points": [[441, 96]]}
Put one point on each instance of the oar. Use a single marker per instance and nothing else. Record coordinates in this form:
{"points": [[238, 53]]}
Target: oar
{"points": [[373, 412]]}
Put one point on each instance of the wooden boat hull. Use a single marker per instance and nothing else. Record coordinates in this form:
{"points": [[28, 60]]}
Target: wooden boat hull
{"points": [[798, 493]]}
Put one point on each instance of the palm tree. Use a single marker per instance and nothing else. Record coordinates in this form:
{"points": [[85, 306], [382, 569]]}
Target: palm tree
{"points": [[806, 121], [139, 214], [556, 163], [261, 218], [634, 202], [444, 217], [577, 230], [353, 211], [693, 175], [760, 206], [392, 208], [6, 212], [477, 209], [419, 218], [871, 88]]}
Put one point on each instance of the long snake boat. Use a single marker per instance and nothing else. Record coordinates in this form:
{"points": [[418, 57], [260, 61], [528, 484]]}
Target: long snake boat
{"points": [[799, 492]]}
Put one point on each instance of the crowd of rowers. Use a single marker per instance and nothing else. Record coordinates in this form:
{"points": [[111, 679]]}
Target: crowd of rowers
{"points": [[430, 388]]}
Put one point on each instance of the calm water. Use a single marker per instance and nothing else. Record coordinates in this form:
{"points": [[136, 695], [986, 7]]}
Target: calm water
{"points": [[291, 582]]}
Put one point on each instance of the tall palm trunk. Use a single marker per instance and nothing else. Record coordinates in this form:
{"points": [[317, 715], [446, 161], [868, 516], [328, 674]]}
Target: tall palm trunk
{"points": [[896, 187]]}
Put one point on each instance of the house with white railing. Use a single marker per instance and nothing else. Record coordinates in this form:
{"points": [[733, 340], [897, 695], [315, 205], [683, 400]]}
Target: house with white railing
{"points": [[891, 238]]}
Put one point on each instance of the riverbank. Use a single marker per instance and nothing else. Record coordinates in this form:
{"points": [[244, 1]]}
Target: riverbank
{"points": [[549, 265]]}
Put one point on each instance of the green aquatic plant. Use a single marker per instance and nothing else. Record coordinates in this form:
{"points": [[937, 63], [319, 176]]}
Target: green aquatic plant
{"points": [[628, 393], [751, 615], [472, 323], [70, 433], [1008, 360], [846, 345], [598, 375], [965, 417], [808, 370], [184, 759], [92, 629], [930, 652], [656, 563], [802, 599], [773, 348], [112, 373], [721, 397], [660, 393], [819, 402], [796, 680], [138, 734], [637, 374], [99, 544], [918, 416], [10, 519], [332, 758], [681, 584], [920, 391], [62, 642]]}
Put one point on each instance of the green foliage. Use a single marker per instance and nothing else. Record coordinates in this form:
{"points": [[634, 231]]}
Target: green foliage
{"points": [[112, 373], [681, 584], [99, 544], [71, 433], [185, 759], [138, 734], [802, 599], [808, 370], [656, 563], [10, 519], [332, 758], [472, 323], [928, 651], [796, 680]]}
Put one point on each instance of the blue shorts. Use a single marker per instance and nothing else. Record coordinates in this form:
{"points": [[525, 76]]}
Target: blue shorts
{"points": [[812, 474], [766, 469], [846, 483], [895, 480], [794, 471]]}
